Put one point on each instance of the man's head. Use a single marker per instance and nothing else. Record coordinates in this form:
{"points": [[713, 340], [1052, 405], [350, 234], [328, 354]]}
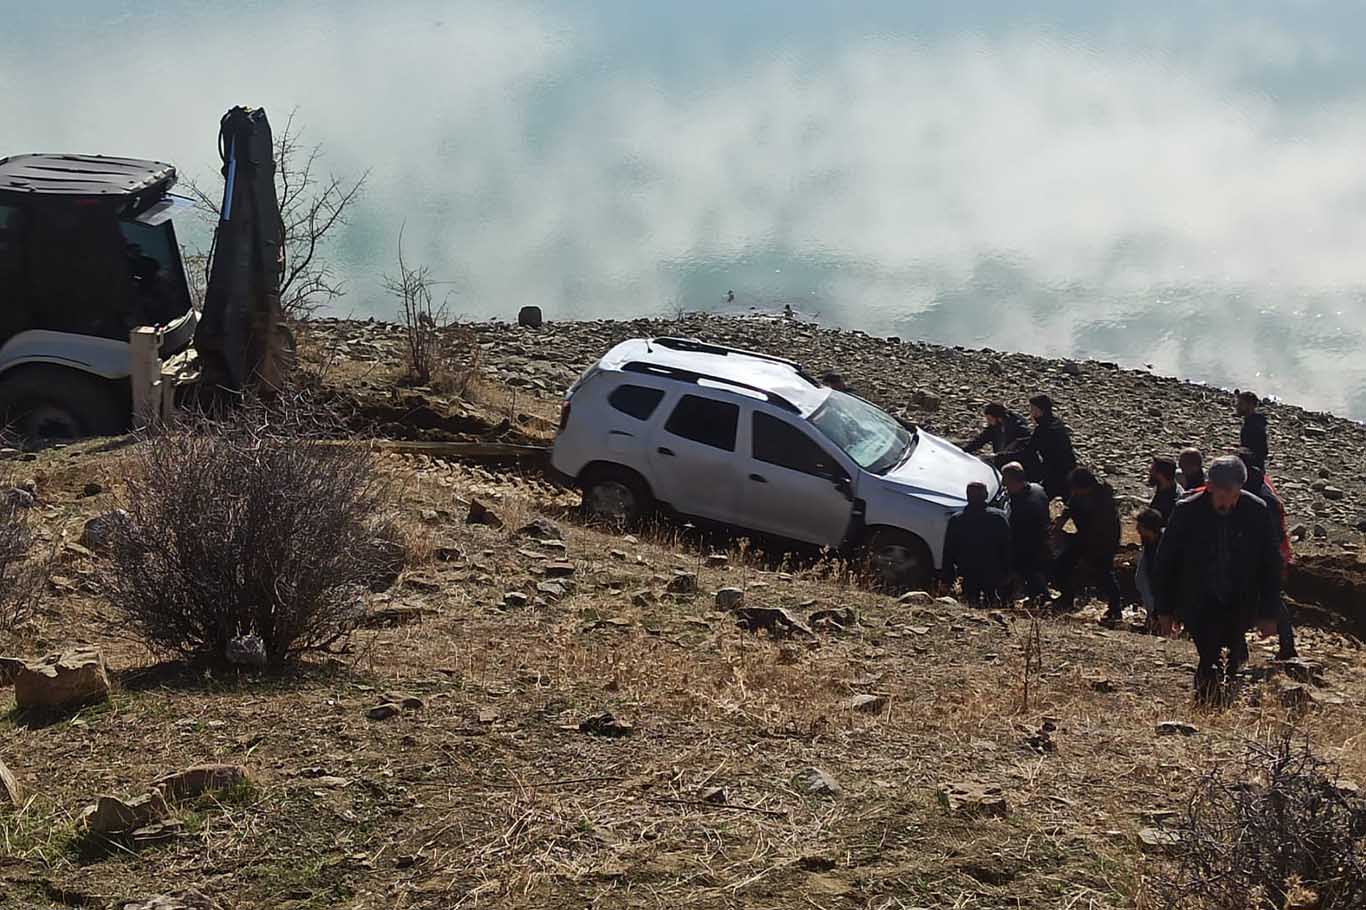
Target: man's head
{"points": [[1162, 473], [1227, 474], [977, 493], [1082, 481], [1014, 476], [1149, 523], [834, 381], [1192, 462], [996, 413], [1040, 407], [1246, 403]]}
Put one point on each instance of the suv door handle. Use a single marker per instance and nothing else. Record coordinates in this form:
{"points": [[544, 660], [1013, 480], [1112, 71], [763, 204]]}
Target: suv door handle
{"points": [[663, 451], [758, 478]]}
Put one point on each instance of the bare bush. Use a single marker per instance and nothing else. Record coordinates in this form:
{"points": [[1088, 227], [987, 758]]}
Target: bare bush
{"points": [[237, 533], [437, 352], [312, 207], [1270, 832], [23, 574]]}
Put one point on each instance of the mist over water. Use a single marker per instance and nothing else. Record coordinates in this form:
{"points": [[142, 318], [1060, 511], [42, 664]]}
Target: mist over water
{"points": [[1170, 184]]}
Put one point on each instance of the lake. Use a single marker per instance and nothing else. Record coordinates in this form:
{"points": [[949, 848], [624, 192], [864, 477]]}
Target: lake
{"points": [[1168, 184]]}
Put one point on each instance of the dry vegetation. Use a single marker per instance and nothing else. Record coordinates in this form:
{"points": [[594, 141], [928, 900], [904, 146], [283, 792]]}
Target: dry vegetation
{"points": [[490, 796]]}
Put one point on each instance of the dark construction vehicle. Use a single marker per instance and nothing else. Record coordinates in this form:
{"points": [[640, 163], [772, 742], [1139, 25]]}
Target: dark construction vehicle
{"points": [[98, 328]]}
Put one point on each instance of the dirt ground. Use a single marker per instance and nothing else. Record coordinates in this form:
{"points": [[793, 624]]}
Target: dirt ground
{"points": [[489, 795]]}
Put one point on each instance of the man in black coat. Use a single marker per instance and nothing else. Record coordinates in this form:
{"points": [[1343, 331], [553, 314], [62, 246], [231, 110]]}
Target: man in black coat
{"points": [[1028, 513], [977, 548], [1091, 507], [1006, 431], [1192, 470], [1049, 451], [1252, 436], [1218, 571], [1162, 477]]}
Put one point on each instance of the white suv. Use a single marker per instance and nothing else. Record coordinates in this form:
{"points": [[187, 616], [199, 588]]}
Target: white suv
{"points": [[752, 441]]}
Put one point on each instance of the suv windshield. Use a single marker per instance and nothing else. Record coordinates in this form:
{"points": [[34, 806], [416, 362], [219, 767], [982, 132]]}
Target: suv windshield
{"points": [[871, 437]]}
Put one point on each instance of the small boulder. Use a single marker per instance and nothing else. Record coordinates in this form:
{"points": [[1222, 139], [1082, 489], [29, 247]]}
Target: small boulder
{"points": [[11, 795], [926, 401], [481, 514], [973, 800], [18, 498], [94, 488], [99, 531], [541, 529], [197, 780], [69, 679], [606, 724], [179, 900], [1072, 368], [729, 598], [9, 668], [1175, 728], [815, 781], [384, 711], [833, 620], [868, 704], [717, 560], [559, 569], [683, 582], [110, 815], [515, 599], [644, 598], [916, 599], [551, 590], [773, 620], [1332, 493], [530, 317]]}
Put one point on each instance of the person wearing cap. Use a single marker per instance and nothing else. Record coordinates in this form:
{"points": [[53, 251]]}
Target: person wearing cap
{"points": [[977, 549], [1028, 514], [1091, 507], [1006, 432], [1218, 571], [1049, 452], [1252, 435], [1162, 477], [1192, 470]]}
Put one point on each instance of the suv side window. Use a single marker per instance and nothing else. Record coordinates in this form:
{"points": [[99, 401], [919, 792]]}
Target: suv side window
{"points": [[779, 443], [635, 400], [705, 420]]}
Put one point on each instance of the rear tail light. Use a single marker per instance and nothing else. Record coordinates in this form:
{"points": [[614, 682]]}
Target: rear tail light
{"points": [[564, 414]]}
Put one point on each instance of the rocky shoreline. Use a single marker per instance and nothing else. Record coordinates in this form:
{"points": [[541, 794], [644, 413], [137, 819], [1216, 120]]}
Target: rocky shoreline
{"points": [[1120, 417]]}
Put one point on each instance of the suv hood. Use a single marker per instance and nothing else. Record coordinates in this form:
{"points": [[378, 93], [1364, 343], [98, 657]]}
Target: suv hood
{"points": [[940, 472]]}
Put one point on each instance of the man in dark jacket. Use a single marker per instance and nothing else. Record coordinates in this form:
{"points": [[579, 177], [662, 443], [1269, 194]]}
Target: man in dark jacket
{"points": [[1091, 507], [977, 548], [1218, 571], [1029, 554], [1253, 434], [1192, 470], [1006, 431], [1257, 485], [1162, 477], [1049, 450]]}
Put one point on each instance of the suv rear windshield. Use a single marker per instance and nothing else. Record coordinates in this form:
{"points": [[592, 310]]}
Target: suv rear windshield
{"points": [[871, 437]]}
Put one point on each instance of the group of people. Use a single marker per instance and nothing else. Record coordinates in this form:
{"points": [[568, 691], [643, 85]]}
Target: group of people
{"points": [[1213, 543]]}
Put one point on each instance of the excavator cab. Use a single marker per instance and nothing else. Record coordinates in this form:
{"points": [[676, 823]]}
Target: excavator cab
{"points": [[97, 324]]}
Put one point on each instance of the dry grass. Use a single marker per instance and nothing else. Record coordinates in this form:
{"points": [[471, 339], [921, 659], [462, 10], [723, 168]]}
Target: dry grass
{"points": [[490, 797]]}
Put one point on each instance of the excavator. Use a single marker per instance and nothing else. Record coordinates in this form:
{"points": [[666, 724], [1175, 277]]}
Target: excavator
{"points": [[98, 326]]}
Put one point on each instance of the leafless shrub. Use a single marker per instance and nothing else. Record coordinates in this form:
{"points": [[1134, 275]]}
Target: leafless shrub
{"points": [[1274, 828], [243, 529], [312, 207], [437, 352], [23, 573]]}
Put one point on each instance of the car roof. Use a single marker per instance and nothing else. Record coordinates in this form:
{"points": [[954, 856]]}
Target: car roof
{"points": [[82, 175], [687, 359]]}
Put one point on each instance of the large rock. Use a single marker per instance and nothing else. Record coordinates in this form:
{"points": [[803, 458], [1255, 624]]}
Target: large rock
{"points": [[530, 317], [729, 598], [815, 781], [968, 799], [99, 531], [197, 780], [59, 681], [481, 514], [111, 815], [10, 794]]}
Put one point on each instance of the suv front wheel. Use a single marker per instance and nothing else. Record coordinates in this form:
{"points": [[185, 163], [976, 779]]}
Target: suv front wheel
{"points": [[616, 496], [898, 561]]}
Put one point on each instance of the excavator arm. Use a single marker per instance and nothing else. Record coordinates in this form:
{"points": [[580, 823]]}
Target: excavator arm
{"points": [[241, 340]]}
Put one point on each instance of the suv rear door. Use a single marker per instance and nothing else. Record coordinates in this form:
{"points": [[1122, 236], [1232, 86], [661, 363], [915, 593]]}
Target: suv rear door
{"points": [[694, 462], [794, 487]]}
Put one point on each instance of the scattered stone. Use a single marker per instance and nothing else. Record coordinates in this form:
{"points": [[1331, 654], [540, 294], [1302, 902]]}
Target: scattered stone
{"points": [[729, 598], [967, 799], [1175, 728], [530, 317], [541, 529], [1360, 523], [18, 498], [92, 489], [643, 598], [1301, 670], [61, 681], [480, 514], [111, 815], [717, 560], [384, 711], [774, 620], [714, 795], [1332, 493], [835, 620], [926, 401], [1159, 839], [1296, 696], [606, 724], [394, 615], [559, 569], [99, 531], [683, 582], [406, 702], [916, 599], [9, 668], [10, 793], [180, 900], [515, 599], [946, 601], [868, 704], [1300, 532], [198, 780], [552, 590], [815, 781], [816, 863], [1071, 368]]}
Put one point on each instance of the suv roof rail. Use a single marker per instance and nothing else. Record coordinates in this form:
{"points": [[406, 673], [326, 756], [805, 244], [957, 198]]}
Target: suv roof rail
{"points": [[698, 346], [694, 377]]}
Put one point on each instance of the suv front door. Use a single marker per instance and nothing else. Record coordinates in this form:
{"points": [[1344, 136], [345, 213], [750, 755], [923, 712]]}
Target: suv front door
{"points": [[793, 486], [694, 465]]}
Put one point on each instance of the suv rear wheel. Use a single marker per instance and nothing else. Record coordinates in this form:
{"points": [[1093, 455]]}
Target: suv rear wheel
{"points": [[898, 561], [616, 496], [52, 402]]}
